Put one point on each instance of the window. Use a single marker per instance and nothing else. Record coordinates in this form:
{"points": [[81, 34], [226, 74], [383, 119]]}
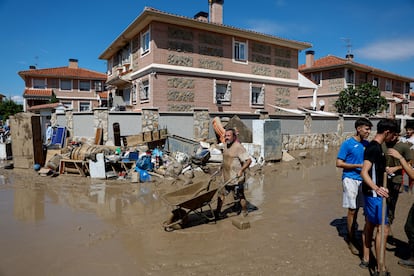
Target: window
{"points": [[109, 66], [222, 92], [144, 90], [375, 82], [84, 85], [68, 105], [350, 76], [65, 84], [145, 42], [84, 106], [257, 95], [316, 77], [134, 93], [39, 83], [388, 85], [125, 54], [240, 51], [97, 85]]}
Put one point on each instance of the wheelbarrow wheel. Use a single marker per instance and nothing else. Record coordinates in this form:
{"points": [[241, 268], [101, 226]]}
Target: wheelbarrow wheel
{"points": [[176, 221]]}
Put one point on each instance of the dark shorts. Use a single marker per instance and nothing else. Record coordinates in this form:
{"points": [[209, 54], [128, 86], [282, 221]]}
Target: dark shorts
{"points": [[238, 190]]}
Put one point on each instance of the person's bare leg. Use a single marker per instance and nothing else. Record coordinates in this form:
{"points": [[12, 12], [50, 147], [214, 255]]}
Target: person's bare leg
{"points": [[351, 224], [367, 240]]}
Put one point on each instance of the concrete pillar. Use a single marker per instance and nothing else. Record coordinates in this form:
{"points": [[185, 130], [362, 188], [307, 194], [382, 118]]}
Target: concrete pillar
{"points": [[100, 118], [69, 122], [201, 124], [307, 123], [340, 129], [150, 119]]}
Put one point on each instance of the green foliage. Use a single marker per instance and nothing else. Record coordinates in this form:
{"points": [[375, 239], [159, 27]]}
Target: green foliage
{"points": [[53, 99], [364, 99], [8, 108]]}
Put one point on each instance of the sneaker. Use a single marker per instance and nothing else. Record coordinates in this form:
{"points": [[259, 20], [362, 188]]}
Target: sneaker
{"points": [[364, 264], [353, 249]]}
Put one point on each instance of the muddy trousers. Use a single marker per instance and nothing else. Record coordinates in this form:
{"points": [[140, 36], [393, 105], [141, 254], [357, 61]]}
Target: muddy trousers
{"points": [[409, 229]]}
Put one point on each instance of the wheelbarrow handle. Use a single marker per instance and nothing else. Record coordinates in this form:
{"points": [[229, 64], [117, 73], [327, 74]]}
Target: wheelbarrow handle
{"points": [[227, 182], [211, 179]]}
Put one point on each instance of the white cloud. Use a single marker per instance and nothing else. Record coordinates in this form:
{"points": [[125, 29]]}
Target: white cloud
{"points": [[398, 49], [265, 27], [17, 99]]}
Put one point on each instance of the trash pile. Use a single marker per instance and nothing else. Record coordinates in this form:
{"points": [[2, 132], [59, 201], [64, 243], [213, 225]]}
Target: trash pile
{"points": [[136, 164]]}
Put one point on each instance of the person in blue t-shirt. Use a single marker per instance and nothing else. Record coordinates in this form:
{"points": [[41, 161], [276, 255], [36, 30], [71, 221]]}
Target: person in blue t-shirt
{"points": [[350, 158]]}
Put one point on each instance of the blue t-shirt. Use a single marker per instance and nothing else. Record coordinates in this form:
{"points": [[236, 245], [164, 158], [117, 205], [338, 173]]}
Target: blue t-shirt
{"points": [[352, 152]]}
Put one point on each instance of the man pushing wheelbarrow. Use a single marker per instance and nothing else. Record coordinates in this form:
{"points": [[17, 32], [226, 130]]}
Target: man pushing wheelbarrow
{"points": [[193, 198], [236, 161]]}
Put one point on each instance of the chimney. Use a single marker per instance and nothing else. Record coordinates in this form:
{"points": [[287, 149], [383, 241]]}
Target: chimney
{"points": [[201, 16], [350, 57], [32, 67], [216, 11], [73, 63], [310, 58]]}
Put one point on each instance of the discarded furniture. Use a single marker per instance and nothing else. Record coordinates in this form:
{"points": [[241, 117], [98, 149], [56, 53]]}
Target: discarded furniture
{"points": [[79, 167]]}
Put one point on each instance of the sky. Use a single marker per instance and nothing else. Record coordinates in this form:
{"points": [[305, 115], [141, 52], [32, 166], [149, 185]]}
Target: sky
{"points": [[47, 33]]}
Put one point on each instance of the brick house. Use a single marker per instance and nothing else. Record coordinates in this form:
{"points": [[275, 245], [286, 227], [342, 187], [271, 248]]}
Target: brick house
{"points": [[175, 63], [76, 88], [333, 74]]}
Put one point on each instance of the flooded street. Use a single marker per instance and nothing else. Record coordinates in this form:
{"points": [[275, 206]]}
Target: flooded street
{"points": [[70, 225]]}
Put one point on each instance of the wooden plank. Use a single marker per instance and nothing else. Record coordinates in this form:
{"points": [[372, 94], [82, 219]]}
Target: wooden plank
{"points": [[117, 134], [134, 140], [98, 136], [50, 153]]}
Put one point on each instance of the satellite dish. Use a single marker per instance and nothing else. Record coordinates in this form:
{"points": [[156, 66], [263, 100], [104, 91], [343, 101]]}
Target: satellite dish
{"points": [[321, 102]]}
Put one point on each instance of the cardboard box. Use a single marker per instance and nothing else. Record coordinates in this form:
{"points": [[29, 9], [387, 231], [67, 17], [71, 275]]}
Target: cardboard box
{"points": [[148, 136], [156, 135], [134, 140], [163, 133]]}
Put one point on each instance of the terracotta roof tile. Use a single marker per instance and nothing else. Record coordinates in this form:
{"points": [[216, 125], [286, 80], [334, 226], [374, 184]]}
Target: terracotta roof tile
{"points": [[329, 61], [38, 92], [333, 61], [103, 95], [66, 72], [44, 106]]}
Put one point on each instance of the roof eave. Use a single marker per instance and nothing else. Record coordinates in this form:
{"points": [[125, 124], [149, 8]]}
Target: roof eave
{"points": [[360, 68], [151, 15]]}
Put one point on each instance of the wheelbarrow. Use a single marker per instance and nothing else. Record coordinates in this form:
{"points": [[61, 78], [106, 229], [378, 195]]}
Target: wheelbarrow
{"points": [[191, 199]]}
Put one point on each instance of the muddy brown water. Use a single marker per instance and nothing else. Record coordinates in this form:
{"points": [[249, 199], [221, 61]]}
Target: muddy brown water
{"points": [[70, 225]]}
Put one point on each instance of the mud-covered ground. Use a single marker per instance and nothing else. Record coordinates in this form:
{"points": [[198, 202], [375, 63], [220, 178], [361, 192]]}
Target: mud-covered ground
{"points": [[71, 225]]}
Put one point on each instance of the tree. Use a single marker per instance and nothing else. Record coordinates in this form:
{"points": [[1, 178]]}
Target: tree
{"points": [[364, 99], [53, 99], [8, 108]]}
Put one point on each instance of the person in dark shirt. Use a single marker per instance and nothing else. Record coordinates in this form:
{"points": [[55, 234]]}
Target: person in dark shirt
{"points": [[374, 190], [409, 223]]}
